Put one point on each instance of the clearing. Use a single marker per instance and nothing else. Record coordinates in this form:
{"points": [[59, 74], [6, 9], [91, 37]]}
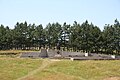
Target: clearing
{"points": [[47, 69]]}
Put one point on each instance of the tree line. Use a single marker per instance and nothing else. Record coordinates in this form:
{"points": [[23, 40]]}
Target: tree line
{"points": [[77, 37]]}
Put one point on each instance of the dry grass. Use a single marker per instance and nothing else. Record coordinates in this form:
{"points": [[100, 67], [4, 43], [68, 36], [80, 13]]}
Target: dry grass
{"points": [[12, 53], [112, 78], [15, 51]]}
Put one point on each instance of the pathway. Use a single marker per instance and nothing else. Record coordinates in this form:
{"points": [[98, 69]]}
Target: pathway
{"points": [[45, 63]]}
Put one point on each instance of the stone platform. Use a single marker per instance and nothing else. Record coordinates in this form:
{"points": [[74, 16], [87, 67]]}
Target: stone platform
{"points": [[68, 55]]}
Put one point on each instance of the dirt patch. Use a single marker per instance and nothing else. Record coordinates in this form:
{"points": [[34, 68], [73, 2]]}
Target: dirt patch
{"points": [[112, 78]]}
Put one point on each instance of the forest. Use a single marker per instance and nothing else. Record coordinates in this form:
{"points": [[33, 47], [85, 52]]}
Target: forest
{"points": [[76, 37]]}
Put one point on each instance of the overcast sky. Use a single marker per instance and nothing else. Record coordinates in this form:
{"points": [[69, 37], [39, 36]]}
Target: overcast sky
{"points": [[99, 12]]}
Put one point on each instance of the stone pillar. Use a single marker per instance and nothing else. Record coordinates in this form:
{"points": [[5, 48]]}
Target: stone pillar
{"points": [[86, 54], [113, 56], [71, 59]]}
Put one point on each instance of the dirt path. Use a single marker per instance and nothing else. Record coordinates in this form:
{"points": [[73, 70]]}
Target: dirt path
{"points": [[45, 63]]}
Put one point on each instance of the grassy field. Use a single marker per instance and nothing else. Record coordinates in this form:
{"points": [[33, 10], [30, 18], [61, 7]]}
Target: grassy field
{"points": [[79, 70], [13, 68], [15, 51], [46, 69], [12, 53]]}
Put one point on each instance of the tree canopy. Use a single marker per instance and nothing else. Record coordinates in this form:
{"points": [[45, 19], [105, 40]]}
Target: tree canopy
{"points": [[77, 37]]}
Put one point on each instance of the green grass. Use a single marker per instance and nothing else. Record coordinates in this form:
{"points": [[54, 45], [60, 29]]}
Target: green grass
{"points": [[14, 68], [79, 70]]}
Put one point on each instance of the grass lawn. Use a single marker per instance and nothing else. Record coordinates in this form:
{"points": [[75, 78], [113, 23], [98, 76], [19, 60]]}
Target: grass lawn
{"points": [[13, 68], [46, 69], [80, 70], [12, 53]]}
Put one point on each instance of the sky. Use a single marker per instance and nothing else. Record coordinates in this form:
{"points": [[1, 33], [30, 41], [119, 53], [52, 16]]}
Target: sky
{"points": [[99, 12]]}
